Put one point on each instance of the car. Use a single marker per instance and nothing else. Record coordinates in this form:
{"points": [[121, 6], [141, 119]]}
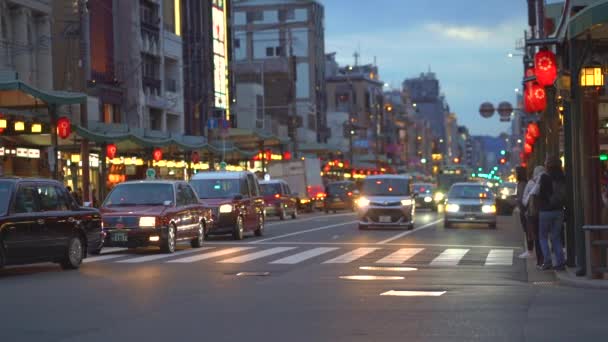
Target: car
{"points": [[426, 195], [470, 203], [506, 198], [235, 199], [154, 213], [278, 199], [339, 196], [386, 201], [41, 222]]}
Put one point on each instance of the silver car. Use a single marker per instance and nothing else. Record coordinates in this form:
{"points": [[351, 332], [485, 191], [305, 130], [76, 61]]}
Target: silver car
{"points": [[470, 203], [386, 201]]}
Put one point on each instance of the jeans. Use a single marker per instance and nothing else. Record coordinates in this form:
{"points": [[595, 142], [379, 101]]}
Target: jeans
{"points": [[550, 226]]}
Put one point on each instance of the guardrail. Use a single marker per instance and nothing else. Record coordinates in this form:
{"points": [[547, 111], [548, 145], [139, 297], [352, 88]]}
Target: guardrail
{"points": [[596, 243]]}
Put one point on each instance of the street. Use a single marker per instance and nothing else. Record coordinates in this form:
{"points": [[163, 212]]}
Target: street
{"points": [[293, 284]]}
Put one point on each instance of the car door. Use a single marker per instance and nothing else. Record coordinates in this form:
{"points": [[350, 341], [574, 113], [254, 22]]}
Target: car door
{"points": [[196, 214], [56, 217], [290, 201], [182, 212], [256, 207], [21, 234]]}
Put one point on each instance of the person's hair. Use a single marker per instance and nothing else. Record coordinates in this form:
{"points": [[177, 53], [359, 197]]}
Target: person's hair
{"points": [[521, 174], [554, 167]]}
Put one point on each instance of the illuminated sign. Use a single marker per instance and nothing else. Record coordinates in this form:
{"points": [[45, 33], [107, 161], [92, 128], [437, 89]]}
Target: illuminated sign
{"points": [[220, 67]]}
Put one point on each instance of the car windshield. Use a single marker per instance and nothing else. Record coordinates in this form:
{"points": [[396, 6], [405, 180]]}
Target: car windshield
{"points": [[216, 188], [338, 188], [508, 188], [270, 189], [423, 188], [5, 196], [386, 187], [470, 192], [135, 194]]}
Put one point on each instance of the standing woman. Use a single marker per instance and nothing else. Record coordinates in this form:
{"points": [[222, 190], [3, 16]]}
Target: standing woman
{"points": [[530, 202], [522, 181], [552, 198]]}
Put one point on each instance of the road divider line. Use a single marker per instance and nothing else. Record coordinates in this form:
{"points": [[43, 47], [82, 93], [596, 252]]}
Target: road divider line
{"points": [[303, 232], [352, 256], [449, 257], [257, 255], [162, 256], [299, 257], [210, 255], [400, 235]]}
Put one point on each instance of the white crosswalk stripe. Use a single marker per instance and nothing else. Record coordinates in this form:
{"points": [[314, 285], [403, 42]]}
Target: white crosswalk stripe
{"points": [[257, 255], [299, 257], [352, 256], [500, 257], [210, 255], [162, 256], [449, 257], [400, 256], [102, 258]]}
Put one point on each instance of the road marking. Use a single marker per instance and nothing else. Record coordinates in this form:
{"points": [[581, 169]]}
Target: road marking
{"points": [[352, 256], [400, 235], [314, 218], [102, 258], [210, 255], [257, 255], [501, 257], [400, 256], [449, 257], [321, 243], [299, 257], [108, 250], [162, 256], [400, 293], [304, 232]]}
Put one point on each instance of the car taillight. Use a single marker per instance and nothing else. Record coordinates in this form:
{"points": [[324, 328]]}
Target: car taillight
{"points": [[277, 196], [321, 195], [349, 193]]}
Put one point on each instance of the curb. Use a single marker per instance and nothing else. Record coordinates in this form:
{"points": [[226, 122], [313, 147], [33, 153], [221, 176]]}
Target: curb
{"points": [[568, 278]]}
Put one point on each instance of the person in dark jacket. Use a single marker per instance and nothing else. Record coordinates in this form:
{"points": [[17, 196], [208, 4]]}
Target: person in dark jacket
{"points": [[551, 213], [522, 181]]}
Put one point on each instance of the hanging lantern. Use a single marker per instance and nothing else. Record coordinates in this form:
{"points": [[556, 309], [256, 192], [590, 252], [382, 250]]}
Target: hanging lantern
{"points": [[286, 155], [530, 139], [268, 155], [535, 99], [528, 149], [157, 154], [64, 127], [534, 130], [111, 151], [195, 157], [545, 68]]}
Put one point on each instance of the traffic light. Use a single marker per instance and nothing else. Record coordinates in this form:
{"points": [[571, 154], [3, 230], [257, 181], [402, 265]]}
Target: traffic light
{"points": [[603, 157], [503, 152], [495, 168], [503, 161]]}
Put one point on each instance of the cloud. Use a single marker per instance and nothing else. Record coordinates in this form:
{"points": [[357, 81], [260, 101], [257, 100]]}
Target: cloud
{"points": [[468, 33]]}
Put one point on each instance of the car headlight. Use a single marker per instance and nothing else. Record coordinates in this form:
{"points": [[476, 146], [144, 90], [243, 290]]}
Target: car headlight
{"points": [[406, 202], [226, 208], [503, 197], [488, 209], [147, 222], [362, 202], [439, 196], [428, 199], [452, 208]]}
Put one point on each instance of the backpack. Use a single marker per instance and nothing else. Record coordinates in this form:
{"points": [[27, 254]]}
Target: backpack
{"points": [[558, 197]]}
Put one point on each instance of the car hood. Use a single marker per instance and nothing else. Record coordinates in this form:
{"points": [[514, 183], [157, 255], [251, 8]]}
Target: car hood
{"points": [[389, 199], [214, 202], [470, 201], [134, 211]]}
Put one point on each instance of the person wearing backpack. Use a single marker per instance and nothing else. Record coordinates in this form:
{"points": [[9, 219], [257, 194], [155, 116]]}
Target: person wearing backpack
{"points": [[531, 208], [552, 198]]}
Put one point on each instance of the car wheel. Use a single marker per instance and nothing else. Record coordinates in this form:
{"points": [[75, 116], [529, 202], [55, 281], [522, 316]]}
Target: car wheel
{"points": [[197, 242], [260, 229], [237, 233], [283, 215], [447, 224], [74, 254], [169, 243], [294, 215]]}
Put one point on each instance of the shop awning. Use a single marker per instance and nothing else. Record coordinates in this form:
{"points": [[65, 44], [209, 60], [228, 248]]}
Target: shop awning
{"points": [[18, 95], [247, 139], [591, 18], [318, 148]]}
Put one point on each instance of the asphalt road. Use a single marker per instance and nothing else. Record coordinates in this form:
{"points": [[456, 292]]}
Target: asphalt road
{"points": [[317, 278]]}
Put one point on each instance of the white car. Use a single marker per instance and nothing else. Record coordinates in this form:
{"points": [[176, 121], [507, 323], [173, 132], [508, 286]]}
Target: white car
{"points": [[470, 203], [386, 201]]}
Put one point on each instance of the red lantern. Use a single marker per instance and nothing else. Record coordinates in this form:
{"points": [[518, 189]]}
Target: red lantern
{"points": [[64, 127], [545, 68], [157, 154], [286, 155], [111, 151], [524, 164], [530, 139], [195, 157], [535, 100], [268, 155], [528, 148], [534, 130]]}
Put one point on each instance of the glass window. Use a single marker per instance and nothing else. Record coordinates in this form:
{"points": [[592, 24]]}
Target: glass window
{"points": [[26, 200], [470, 191], [134, 194], [181, 196], [51, 199], [216, 188], [252, 185], [423, 188], [339, 188], [190, 194], [5, 196], [270, 189], [386, 187], [287, 189], [302, 81]]}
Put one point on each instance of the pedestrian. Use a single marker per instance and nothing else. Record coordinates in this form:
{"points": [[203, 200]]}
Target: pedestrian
{"points": [[522, 181], [552, 198], [530, 202]]}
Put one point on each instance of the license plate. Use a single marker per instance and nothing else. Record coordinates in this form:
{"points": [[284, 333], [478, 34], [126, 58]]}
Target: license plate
{"points": [[384, 219], [336, 200], [120, 237]]}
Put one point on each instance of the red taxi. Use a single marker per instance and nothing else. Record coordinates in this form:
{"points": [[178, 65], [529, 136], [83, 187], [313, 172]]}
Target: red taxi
{"points": [[279, 199]]}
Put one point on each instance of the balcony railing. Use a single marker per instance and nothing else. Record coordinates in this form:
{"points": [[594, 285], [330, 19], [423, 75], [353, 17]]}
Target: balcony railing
{"points": [[153, 84]]}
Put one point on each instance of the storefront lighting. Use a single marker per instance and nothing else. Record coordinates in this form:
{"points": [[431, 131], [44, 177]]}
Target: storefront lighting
{"points": [[180, 164], [3, 123], [128, 161], [592, 77], [19, 126], [161, 163], [171, 164], [75, 158], [139, 162], [36, 128], [22, 152]]}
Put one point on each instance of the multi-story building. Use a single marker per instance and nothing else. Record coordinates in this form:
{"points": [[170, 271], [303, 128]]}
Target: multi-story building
{"points": [[280, 44], [25, 41]]}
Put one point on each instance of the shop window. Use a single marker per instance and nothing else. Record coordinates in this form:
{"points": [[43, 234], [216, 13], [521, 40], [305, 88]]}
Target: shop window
{"points": [[111, 113]]}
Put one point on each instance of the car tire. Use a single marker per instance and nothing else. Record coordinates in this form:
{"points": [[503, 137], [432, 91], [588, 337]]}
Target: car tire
{"points": [[447, 225], [74, 254], [197, 242], [260, 229], [169, 243], [237, 233], [294, 215]]}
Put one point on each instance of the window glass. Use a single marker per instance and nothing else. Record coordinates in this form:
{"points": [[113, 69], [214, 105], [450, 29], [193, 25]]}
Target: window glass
{"points": [[217, 188], [253, 186], [245, 187], [182, 198], [386, 187], [470, 191], [191, 197], [26, 200], [5, 196], [270, 189], [287, 189], [133, 194], [50, 198]]}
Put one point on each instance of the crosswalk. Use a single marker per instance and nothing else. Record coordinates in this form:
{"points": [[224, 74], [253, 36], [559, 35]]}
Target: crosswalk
{"points": [[292, 255]]}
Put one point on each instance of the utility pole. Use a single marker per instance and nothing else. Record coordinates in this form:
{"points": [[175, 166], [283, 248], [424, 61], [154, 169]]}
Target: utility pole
{"points": [[85, 55], [292, 63]]}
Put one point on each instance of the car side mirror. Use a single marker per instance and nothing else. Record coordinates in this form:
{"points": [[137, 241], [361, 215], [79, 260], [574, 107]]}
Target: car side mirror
{"points": [[87, 204], [167, 203], [238, 197]]}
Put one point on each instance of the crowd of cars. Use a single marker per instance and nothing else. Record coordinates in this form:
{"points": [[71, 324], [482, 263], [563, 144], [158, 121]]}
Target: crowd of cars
{"points": [[40, 221]]}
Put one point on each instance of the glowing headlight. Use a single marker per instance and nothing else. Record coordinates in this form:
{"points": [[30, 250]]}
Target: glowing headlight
{"points": [[503, 196], [406, 202], [439, 196], [362, 202], [488, 209], [428, 199], [147, 222], [226, 208], [452, 208]]}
